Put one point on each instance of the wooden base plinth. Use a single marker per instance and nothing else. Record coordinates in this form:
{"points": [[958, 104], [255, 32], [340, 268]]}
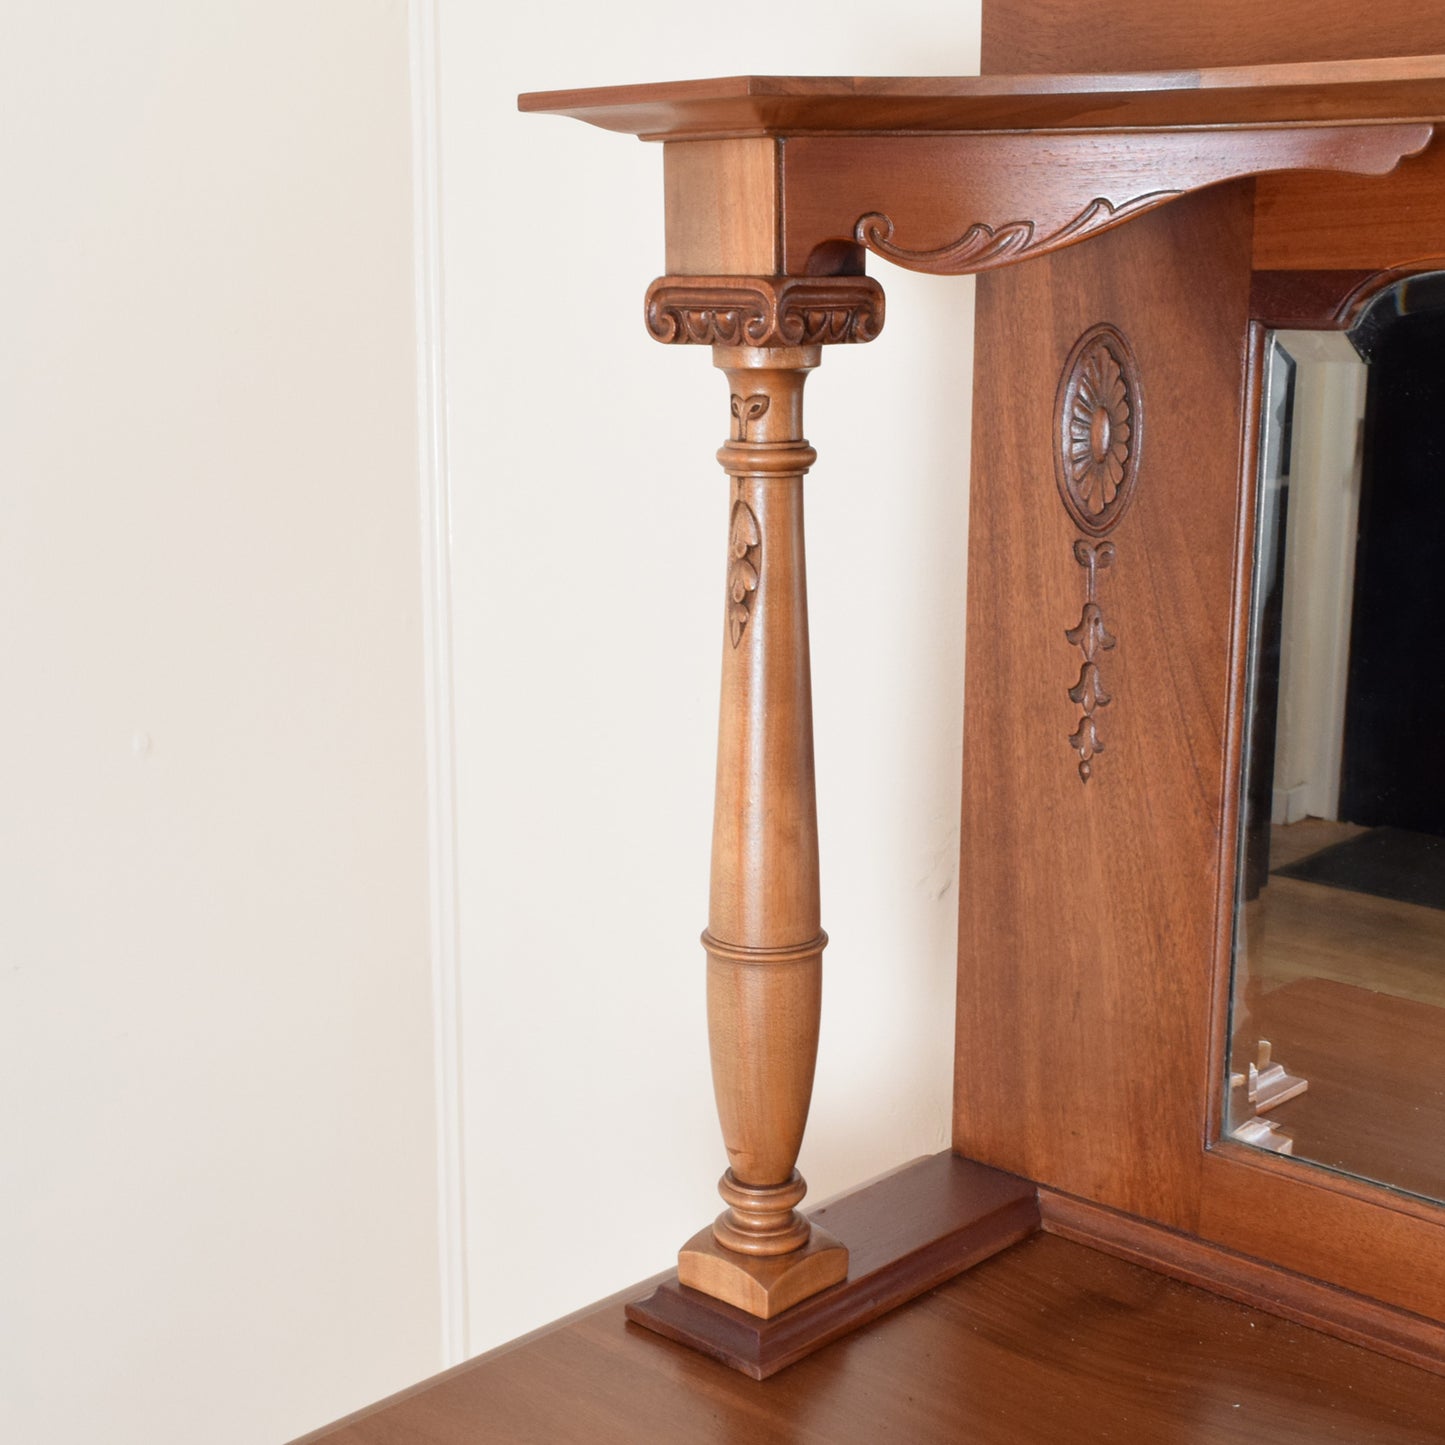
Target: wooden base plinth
{"points": [[759, 1284], [905, 1233], [1324, 1307]]}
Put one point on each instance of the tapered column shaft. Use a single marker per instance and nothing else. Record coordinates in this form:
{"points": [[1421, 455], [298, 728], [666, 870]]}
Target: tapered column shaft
{"points": [[764, 938]]}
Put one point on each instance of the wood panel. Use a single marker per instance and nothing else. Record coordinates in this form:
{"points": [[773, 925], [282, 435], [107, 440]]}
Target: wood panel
{"points": [[969, 203], [1124, 972], [1312, 222], [1087, 911], [1394, 1332], [1047, 1343], [1056, 35], [722, 207], [1351, 1234]]}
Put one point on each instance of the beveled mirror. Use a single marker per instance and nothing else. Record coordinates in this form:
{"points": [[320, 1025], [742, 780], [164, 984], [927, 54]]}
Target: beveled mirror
{"points": [[1337, 1038]]}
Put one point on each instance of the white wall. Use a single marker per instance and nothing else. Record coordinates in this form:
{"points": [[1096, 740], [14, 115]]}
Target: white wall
{"points": [[217, 1145], [234, 1204], [588, 524], [1320, 536]]}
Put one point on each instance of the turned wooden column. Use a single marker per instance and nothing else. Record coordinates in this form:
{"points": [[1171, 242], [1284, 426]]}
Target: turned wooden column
{"points": [[764, 938]]}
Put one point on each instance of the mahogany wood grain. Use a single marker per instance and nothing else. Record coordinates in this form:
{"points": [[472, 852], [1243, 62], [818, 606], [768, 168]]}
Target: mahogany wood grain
{"points": [[1308, 300], [1353, 1317], [906, 1233], [1357, 1236], [757, 105], [967, 203], [723, 202], [1046, 1343], [1148, 34], [1113, 967], [1318, 223], [1087, 912], [951, 204]]}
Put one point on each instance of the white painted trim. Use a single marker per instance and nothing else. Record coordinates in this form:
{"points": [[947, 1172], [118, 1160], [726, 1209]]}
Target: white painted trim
{"points": [[1291, 804], [435, 508], [1320, 538]]}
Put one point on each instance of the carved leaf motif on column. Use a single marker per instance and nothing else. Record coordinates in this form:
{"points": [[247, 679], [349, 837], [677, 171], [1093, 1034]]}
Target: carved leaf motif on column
{"points": [[745, 411], [983, 246], [744, 535], [1099, 421], [745, 541]]}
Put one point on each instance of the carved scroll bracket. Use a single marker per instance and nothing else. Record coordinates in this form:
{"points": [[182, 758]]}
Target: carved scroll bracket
{"points": [[983, 247], [958, 204]]}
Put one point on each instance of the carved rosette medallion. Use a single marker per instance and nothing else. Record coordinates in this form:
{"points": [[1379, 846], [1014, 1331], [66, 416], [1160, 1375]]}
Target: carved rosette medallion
{"points": [[764, 310], [1099, 417], [1099, 422]]}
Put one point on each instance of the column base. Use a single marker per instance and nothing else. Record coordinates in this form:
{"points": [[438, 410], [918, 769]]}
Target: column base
{"points": [[905, 1233], [762, 1285]]}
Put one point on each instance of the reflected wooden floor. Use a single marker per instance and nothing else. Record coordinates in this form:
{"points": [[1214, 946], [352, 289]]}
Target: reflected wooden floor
{"points": [[1298, 930], [1049, 1343], [1350, 990], [1289, 842], [1376, 1066]]}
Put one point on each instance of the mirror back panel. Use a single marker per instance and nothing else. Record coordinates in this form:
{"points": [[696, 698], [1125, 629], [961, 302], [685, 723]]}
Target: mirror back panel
{"points": [[1096, 919]]}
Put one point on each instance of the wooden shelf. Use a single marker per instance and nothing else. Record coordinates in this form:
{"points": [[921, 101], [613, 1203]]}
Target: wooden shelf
{"points": [[800, 175], [1326, 93]]}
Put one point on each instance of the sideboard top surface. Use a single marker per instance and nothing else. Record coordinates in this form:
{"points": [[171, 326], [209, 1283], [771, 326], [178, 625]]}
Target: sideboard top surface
{"points": [[1410, 88]]}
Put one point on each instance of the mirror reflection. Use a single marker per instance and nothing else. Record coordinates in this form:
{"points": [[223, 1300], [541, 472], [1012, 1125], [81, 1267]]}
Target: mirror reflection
{"points": [[1338, 1018]]}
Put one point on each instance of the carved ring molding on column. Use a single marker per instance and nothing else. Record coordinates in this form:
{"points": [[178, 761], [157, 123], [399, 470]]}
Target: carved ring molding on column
{"points": [[1098, 428], [764, 310]]}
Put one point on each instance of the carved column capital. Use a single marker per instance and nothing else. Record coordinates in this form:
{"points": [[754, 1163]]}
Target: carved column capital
{"points": [[764, 310]]}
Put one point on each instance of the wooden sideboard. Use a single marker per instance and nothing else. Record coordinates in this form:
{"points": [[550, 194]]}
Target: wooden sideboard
{"points": [[1120, 219], [1135, 232]]}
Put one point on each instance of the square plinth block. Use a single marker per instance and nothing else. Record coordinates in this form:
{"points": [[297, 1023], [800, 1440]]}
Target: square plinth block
{"points": [[761, 1285], [905, 1233]]}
